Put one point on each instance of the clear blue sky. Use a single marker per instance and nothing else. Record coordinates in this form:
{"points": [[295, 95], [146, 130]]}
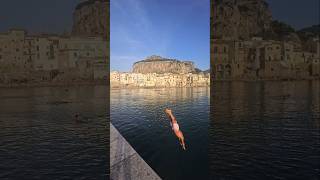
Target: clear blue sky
{"points": [[170, 28], [37, 16], [297, 13]]}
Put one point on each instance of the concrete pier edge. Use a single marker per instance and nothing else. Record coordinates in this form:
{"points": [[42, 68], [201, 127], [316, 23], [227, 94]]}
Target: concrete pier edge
{"points": [[125, 162]]}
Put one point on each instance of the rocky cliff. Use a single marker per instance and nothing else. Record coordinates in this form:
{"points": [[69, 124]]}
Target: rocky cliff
{"points": [[158, 64], [309, 32], [239, 19], [91, 18]]}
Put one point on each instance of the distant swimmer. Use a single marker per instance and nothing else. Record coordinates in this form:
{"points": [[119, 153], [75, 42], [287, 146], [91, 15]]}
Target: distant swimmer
{"points": [[78, 119], [175, 127]]}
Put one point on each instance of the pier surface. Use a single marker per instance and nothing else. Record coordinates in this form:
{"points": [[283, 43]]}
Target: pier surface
{"points": [[125, 162]]}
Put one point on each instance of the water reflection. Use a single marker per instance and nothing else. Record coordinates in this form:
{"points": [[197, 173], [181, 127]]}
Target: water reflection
{"points": [[160, 95], [40, 139], [265, 130]]}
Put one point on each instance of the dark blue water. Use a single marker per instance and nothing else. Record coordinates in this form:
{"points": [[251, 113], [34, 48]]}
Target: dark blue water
{"points": [[39, 138], [139, 116], [265, 130]]}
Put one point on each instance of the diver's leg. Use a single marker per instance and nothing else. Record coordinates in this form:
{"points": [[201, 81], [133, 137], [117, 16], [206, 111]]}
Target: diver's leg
{"points": [[183, 144], [181, 140]]}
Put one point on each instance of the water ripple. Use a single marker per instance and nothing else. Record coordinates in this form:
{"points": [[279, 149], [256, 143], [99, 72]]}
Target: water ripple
{"points": [[40, 139], [265, 130]]}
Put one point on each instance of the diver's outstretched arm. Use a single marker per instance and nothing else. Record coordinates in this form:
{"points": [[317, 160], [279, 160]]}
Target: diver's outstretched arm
{"points": [[169, 113]]}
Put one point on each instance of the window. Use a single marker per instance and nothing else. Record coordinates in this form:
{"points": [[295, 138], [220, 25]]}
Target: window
{"points": [[37, 48], [215, 50], [224, 49], [17, 49], [75, 54]]}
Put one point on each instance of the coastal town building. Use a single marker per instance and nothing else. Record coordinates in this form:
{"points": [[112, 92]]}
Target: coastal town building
{"points": [[263, 59], [157, 71], [125, 79], [51, 57]]}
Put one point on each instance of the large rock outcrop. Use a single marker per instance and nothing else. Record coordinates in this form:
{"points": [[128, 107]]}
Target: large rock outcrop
{"points": [[158, 64], [239, 19], [91, 18]]}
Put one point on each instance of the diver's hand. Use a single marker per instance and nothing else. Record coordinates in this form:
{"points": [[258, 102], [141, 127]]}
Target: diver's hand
{"points": [[168, 111]]}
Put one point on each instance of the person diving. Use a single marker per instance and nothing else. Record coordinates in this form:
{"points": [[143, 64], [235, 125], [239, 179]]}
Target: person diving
{"points": [[175, 127]]}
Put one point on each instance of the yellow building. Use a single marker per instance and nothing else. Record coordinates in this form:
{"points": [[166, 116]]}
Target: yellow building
{"points": [[125, 79]]}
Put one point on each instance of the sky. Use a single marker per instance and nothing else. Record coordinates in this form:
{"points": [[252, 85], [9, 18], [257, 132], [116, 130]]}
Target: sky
{"points": [[36, 16], [297, 13], [177, 29]]}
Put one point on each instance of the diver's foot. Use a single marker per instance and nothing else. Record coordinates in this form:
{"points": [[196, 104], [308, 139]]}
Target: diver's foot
{"points": [[183, 147]]}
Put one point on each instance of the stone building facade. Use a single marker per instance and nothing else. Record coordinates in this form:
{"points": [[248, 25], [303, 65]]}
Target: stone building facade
{"points": [[119, 79], [51, 57], [257, 59]]}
